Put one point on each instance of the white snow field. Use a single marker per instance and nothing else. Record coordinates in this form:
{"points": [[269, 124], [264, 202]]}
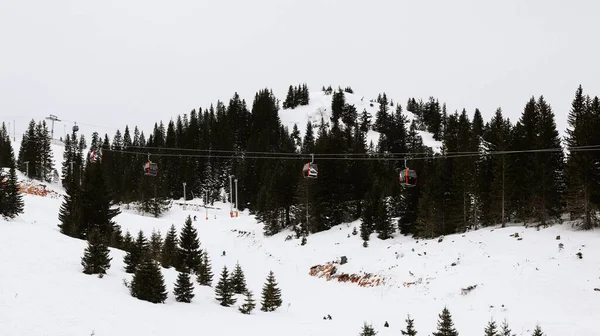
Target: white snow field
{"points": [[44, 292]]}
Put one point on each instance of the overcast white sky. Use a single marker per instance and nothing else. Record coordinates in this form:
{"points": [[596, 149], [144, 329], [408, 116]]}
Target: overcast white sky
{"points": [[112, 62]]}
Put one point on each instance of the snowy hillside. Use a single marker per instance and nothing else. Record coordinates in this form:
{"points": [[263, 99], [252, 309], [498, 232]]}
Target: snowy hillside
{"points": [[526, 280], [320, 106]]}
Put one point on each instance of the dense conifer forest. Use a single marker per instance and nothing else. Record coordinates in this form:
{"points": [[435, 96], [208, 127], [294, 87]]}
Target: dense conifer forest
{"points": [[489, 172]]}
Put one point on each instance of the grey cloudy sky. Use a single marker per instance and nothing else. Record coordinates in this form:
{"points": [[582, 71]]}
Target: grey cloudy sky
{"points": [[112, 62]]}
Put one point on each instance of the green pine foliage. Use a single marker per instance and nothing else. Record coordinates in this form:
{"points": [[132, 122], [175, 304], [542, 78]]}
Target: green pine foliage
{"points": [[204, 273], [189, 255], [224, 290], [138, 253], [170, 248], [96, 258], [271, 294], [367, 330], [537, 331], [148, 283], [505, 330], [238, 280], [155, 245], [410, 327], [445, 324], [184, 287], [491, 329], [11, 200], [249, 304]]}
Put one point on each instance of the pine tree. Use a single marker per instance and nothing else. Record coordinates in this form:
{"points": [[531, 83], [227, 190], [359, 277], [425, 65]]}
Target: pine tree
{"points": [[491, 329], [11, 199], [224, 290], [249, 303], [189, 254], [537, 331], [148, 283], [184, 288], [367, 330], [139, 252], [156, 245], [445, 324], [205, 275], [96, 258], [505, 330], [128, 241], [582, 166], [238, 280], [169, 249], [271, 294], [410, 328]]}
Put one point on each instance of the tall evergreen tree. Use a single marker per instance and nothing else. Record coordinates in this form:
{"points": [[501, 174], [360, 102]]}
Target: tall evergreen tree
{"points": [[537, 331], [155, 245], [184, 288], [11, 200], [224, 290], [148, 283], [96, 258], [583, 177], [410, 327], [271, 294], [189, 253], [445, 324], [138, 253], [505, 330], [204, 273], [238, 280], [367, 330], [491, 329], [249, 304], [169, 249]]}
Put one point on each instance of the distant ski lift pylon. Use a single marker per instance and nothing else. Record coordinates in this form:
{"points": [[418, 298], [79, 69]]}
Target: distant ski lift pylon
{"points": [[310, 169], [150, 168], [408, 177]]}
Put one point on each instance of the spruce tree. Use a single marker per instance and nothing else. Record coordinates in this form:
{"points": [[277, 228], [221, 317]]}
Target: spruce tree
{"points": [[249, 303], [367, 330], [156, 245], [238, 280], [184, 288], [96, 258], [12, 200], [491, 329], [169, 249], [271, 294], [505, 330], [127, 242], [189, 254], [138, 253], [148, 283], [205, 275], [410, 328], [537, 331], [445, 324], [224, 290]]}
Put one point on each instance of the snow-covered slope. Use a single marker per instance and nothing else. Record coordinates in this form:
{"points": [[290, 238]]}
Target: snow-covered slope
{"points": [[44, 292], [320, 106]]}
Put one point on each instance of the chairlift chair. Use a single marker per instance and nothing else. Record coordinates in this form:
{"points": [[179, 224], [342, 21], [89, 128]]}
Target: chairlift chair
{"points": [[150, 168], [310, 169], [408, 177]]}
